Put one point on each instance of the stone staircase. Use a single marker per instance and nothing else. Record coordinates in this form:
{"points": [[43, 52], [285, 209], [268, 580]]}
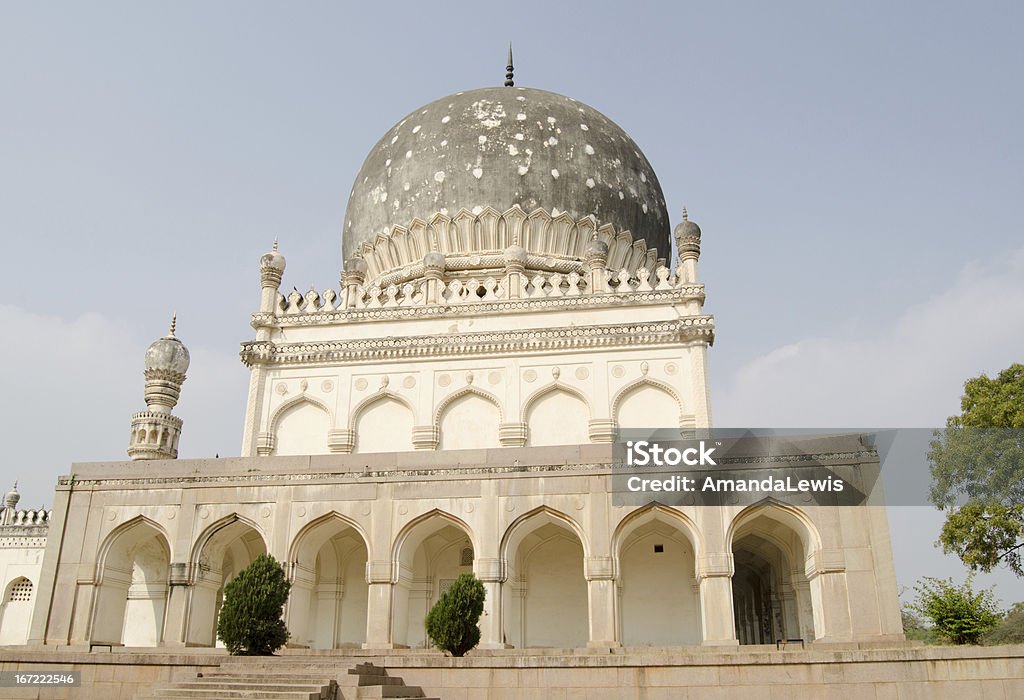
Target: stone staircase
{"points": [[287, 680]]}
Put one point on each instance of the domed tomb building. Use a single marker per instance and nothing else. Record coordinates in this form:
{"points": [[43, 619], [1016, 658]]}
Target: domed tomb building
{"points": [[512, 296]]}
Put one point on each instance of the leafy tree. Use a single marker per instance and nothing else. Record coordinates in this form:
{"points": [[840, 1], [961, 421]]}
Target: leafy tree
{"points": [[1010, 630], [915, 628], [977, 466], [250, 620], [453, 622], [958, 613]]}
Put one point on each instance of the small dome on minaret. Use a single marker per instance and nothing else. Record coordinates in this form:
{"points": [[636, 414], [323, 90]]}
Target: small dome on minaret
{"points": [[273, 260], [155, 432], [168, 353], [12, 497]]}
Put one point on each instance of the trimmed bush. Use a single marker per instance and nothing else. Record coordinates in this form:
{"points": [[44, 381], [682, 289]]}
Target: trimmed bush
{"points": [[453, 622], [250, 620]]}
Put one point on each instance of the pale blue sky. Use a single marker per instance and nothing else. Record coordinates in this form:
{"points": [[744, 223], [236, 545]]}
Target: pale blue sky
{"points": [[856, 169]]}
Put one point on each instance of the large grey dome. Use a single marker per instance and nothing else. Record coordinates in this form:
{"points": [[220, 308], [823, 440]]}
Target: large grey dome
{"points": [[505, 146]]}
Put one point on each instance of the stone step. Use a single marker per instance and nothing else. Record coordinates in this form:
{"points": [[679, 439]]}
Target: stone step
{"points": [[246, 685], [214, 694], [314, 678], [367, 669], [388, 691]]}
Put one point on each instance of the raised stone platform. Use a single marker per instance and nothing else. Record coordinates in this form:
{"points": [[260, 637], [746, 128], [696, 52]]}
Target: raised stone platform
{"points": [[842, 671]]}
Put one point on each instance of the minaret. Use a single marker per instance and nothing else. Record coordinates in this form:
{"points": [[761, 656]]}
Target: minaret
{"points": [[687, 235], [10, 505], [155, 432]]}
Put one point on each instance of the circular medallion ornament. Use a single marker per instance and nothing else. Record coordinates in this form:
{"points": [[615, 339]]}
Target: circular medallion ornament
{"points": [[579, 504], [265, 512], [111, 515], [360, 384], [300, 511], [171, 513], [530, 375], [204, 513], [468, 508], [618, 371], [403, 509], [510, 506], [670, 368], [582, 373], [494, 377], [444, 380], [327, 386], [281, 388], [366, 509], [409, 382]]}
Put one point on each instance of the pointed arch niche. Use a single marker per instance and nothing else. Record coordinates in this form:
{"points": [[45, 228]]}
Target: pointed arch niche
{"points": [[647, 403], [468, 419], [328, 601], [224, 549], [131, 590], [430, 553], [545, 597], [300, 427], [383, 423], [659, 602], [557, 415]]}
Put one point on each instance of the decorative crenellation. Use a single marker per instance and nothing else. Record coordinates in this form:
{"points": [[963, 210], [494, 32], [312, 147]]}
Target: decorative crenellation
{"points": [[26, 518], [329, 305]]}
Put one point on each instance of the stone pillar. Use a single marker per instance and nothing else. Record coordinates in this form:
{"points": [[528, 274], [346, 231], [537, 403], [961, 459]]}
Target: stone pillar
{"points": [[491, 623], [716, 606], [178, 595], [433, 272], [352, 279], [378, 605], [603, 596], [830, 596], [515, 267], [596, 259]]}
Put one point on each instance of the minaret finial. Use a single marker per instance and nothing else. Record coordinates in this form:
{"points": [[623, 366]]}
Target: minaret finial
{"points": [[174, 323], [509, 69], [275, 244], [685, 215]]}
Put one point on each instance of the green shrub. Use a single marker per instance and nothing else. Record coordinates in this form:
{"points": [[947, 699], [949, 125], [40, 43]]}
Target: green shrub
{"points": [[250, 620], [452, 623], [1010, 630], [958, 613]]}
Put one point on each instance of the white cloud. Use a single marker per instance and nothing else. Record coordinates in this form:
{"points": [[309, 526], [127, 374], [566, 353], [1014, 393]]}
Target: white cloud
{"points": [[879, 372]]}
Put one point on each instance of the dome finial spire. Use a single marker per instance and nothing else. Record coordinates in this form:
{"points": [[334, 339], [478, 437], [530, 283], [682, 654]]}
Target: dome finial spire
{"points": [[686, 217], [174, 324], [509, 69], [275, 244]]}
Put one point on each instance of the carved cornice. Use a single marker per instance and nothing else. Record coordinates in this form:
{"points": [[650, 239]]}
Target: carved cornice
{"points": [[690, 292], [517, 342]]}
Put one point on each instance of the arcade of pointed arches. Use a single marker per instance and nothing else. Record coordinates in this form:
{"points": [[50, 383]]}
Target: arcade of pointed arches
{"points": [[468, 418], [539, 577]]}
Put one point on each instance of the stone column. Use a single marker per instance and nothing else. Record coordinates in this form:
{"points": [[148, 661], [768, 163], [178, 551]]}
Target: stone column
{"points": [[716, 605], [178, 594], [596, 260], [491, 624], [830, 596], [515, 267], [378, 605], [603, 596]]}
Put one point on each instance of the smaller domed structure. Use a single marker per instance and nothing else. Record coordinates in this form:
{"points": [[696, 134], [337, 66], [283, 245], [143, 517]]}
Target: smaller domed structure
{"points": [[155, 432], [12, 497]]}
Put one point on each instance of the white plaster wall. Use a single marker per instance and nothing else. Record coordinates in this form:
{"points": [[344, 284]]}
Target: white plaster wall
{"points": [[659, 603], [302, 430], [556, 608], [469, 422], [384, 426], [647, 406], [20, 557], [557, 418]]}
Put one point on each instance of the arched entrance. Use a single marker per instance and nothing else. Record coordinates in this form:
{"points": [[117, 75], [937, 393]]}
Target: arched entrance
{"points": [[546, 601], [431, 553], [131, 591], [227, 547], [327, 605], [771, 594], [659, 599]]}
